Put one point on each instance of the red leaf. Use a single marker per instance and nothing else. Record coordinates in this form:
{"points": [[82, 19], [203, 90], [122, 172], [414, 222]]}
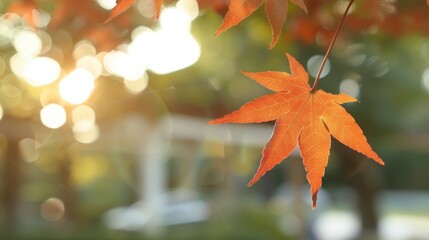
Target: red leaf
{"points": [[276, 11], [304, 118], [122, 5]]}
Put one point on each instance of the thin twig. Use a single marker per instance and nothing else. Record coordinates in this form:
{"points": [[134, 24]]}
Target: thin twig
{"points": [[316, 81]]}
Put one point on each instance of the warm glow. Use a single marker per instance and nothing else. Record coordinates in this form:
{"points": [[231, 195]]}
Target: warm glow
{"points": [[41, 71], [2, 65], [77, 86], [53, 116], [137, 86], [168, 49], [89, 136], [90, 63], [83, 48], [175, 19], [83, 118], [18, 63], [190, 7], [123, 65], [27, 42]]}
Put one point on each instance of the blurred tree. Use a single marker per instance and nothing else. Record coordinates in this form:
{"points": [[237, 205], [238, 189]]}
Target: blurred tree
{"points": [[381, 56]]}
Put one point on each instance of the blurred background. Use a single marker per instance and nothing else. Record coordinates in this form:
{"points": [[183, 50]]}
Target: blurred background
{"points": [[104, 134]]}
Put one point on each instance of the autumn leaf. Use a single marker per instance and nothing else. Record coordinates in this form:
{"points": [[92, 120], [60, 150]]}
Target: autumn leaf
{"points": [[122, 5], [276, 11], [303, 117]]}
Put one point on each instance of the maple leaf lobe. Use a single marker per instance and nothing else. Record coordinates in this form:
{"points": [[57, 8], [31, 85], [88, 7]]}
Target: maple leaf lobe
{"points": [[276, 11], [303, 118]]}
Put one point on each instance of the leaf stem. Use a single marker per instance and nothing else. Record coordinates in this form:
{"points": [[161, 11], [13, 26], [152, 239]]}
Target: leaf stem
{"points": [[316, 81]]}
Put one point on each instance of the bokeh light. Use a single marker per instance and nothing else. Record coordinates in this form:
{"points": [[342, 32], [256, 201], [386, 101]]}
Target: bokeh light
{"points": [[171, 47], [27, 42], [190, 7], [28, 149], [146, 8], [18, 62], [52, 209], [1, 112], [122, 64], [88, 136], [137, 86], [76, 87], [107, 4], [83, 118], [313, 65], [2, 65], [425, 79], [41, 71], [12, 95], [90, 63], [53, 116], [83, 48], [350, 87]]}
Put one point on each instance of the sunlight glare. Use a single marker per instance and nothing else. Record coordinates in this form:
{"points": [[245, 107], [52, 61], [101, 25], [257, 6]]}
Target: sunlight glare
{"points": [[41, 71], [175, 20], [168, 49], [190, 7], [27, 42], [77, 86], [53, 116], [122, 64]]}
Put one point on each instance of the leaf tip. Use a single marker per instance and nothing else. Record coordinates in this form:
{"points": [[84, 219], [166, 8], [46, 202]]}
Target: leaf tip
{"points": [[253, 181], [220, 30], [381, 162], [314, 199], [273, 43], [214, 121]]}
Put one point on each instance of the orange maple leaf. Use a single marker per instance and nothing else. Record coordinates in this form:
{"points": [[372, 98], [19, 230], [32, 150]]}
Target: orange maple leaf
{"points": [[276, 11], [304, 117], [122, 5]]}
